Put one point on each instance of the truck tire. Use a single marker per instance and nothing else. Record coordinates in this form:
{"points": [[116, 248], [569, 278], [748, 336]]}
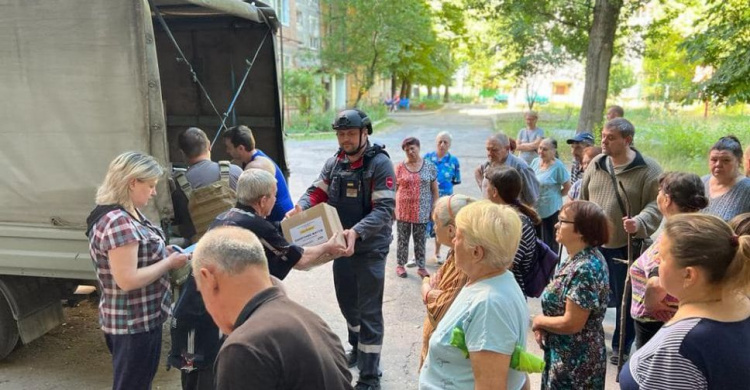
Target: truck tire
{"points": [[8, 329]]}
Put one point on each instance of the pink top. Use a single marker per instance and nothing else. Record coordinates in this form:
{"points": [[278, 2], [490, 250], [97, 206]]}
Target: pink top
{"points": [[414, 192], [639, 275]]}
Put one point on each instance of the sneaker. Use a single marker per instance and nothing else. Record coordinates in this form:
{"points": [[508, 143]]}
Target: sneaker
{"points": [[439, 260], [401, 271], [423, 273], [351, 358], [411, 263]]}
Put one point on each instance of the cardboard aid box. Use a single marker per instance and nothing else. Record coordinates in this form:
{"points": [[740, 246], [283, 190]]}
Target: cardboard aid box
{"points": [[314, 226]]}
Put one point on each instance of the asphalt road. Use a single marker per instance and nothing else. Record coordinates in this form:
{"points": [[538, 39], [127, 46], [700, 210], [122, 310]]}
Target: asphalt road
{"points": [[403, 309]]}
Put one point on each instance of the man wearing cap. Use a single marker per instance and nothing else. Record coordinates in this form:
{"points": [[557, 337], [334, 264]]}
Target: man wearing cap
{"points": [[577, 144], [359, 182]]}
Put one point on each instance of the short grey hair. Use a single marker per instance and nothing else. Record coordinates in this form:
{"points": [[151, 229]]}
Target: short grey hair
{"points": [[496, 228], [254, 184], [532, 114], [447, 207], [128, 166], [445, 134], [230, 249], [622, 126], [501, 138]]}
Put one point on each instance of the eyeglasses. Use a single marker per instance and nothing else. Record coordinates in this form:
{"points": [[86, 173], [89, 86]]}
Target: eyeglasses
{"points": [[561, 221]]}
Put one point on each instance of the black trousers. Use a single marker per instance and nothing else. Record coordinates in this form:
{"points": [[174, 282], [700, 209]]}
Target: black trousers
{"points": [[644, 331], [359, 282], [617, 273], [135, 359]]}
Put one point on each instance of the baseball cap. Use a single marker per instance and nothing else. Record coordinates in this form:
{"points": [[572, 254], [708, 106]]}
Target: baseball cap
{"points": [[582, 137]]}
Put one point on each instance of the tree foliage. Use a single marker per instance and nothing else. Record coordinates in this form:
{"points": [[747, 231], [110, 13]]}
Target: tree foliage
{"points": [[303, 88], [722, 40], [367, 38], [621, 77], [666, 69]]}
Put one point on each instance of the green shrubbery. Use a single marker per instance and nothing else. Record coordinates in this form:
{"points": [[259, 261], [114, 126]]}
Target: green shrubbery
{"points": [[319, 122]]}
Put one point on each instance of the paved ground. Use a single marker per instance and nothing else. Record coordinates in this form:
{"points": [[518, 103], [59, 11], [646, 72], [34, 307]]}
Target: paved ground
{"points": [[74, 356], [404, 312]]}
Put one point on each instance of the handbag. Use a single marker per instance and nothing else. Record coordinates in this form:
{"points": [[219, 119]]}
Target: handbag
{"points": [[541, 271]]}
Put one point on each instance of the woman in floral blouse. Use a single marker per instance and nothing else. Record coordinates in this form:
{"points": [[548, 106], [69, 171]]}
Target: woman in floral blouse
{"points": [[574, 303]]}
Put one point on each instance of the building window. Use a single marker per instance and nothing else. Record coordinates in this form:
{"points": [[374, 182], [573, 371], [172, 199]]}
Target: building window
{"points": [[282, 11], [314, 26], [300, 21], [560, 89]]}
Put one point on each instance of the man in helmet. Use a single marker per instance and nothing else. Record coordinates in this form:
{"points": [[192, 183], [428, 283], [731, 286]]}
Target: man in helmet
{"points": [[359, 182]]}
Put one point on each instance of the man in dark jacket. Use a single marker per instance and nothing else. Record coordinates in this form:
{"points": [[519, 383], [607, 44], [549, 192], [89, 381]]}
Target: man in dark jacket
{"points": [[272, 342], [359, 182]]}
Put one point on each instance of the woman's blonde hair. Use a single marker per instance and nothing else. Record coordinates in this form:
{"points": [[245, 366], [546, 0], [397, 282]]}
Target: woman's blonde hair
{"points": [[709, 243], [447, 207], [496, 228], [128, 166]]}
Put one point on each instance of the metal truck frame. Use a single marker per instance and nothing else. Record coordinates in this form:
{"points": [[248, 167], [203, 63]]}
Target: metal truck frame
{"points": [[85, 80]]}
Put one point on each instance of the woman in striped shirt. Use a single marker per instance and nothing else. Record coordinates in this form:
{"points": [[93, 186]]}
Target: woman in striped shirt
{"points": [[706, 266]]}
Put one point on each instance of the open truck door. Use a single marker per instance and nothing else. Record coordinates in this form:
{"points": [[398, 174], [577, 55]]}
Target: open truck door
{"points": [[85, 80]]}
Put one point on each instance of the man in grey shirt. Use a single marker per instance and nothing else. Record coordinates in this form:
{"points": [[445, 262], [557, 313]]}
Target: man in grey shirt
{"points": [[529, 138], [498, 153]]}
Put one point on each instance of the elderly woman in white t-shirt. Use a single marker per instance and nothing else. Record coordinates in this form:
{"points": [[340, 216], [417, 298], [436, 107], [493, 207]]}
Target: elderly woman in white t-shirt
{"points": [[473, 343]]}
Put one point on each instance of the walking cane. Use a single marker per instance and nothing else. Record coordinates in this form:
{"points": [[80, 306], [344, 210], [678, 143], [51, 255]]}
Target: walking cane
{"points": [[626, 293]]}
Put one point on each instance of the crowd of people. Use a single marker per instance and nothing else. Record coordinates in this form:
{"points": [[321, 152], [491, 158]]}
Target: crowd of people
{"points": [[234, 327]]}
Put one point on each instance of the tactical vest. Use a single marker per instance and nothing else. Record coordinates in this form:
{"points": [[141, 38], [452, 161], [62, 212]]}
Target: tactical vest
{"points": [[350, 191], [207, 202]]}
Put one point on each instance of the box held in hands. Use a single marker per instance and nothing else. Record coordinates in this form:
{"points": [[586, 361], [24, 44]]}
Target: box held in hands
{"points": [[313, 226]]}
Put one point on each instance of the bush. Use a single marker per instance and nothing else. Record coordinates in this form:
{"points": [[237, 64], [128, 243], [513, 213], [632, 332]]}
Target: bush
{"points": [[458, 98]]}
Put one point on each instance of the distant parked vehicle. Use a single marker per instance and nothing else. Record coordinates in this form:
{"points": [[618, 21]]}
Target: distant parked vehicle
{"points": [[501, 98]]}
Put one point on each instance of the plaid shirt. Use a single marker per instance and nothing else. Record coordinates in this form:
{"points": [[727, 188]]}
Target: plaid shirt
{"points": [[140, 310]]}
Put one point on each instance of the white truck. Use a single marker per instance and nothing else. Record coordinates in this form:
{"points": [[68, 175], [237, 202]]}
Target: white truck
{"points": [[82, 81]]}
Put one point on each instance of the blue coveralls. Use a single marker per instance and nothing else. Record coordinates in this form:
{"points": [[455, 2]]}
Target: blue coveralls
{"points": [[363, 194]]}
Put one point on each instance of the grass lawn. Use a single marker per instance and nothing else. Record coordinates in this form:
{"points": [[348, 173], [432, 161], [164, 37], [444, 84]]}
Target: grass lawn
{"points": [[678, 140]]}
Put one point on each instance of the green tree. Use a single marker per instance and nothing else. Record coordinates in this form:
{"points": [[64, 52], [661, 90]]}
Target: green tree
{"points": [[666, 69], [549, 32], [621, 77], [303, 88], [722, 40], [366, 38]]}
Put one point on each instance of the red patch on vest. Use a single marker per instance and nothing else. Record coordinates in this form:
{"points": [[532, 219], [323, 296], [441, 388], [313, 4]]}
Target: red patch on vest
{"points": [[389, 182]]}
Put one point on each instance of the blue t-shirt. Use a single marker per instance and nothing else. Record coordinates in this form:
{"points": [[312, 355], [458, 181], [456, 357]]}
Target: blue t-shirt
{"points": [[494, 317], [550, 186], [448, 172], [692, 354], [283, 198]]}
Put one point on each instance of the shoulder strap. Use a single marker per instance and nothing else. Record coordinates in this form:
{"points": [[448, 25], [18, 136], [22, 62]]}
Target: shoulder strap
{"points": [[182, 181], [224, 171], [611, 170]]}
